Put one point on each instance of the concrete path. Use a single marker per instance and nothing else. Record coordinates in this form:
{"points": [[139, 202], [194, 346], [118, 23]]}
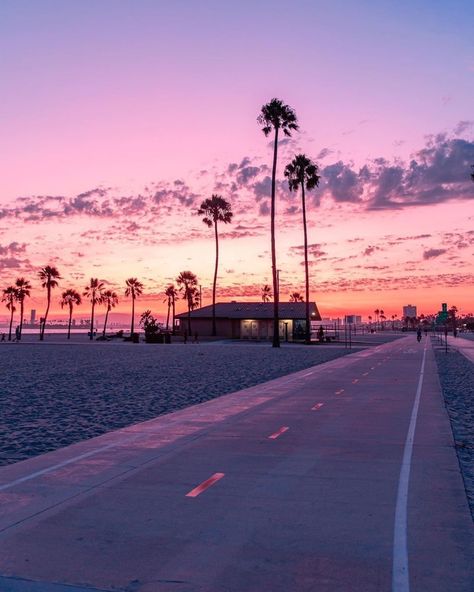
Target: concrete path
{"points": [[339, 478], [465, 346]]}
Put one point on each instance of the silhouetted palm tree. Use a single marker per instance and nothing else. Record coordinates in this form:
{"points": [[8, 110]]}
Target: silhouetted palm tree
{"points": [[215, 210], [110, 299], [302, 173], [23, 288], [70, 298], [9, 297], [266, 293], [377, 312], [134, 289], [188, 282], [49, 277], [93, 292], [276, 116], [296, 297], [171, 293], [394, 316]]}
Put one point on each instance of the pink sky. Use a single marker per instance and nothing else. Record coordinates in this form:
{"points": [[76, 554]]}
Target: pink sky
{"points": [[119, 120]]}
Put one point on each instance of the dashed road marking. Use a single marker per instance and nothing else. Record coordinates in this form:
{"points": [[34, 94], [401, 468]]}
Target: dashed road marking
{"points": [[365, 374], [339, 392], [278, 433], [317, 406], [355, 381], [205, 485]]}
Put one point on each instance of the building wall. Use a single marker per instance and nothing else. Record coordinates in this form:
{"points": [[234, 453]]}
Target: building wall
{"points": [[237, 328]]}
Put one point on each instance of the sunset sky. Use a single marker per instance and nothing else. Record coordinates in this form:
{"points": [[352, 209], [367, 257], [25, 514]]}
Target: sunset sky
{"points": [[119, 117]]}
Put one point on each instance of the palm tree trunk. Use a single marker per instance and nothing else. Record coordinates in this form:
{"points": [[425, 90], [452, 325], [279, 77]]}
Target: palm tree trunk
{"points": [[306, 267], [70, 321], [133, 316], [189, 313], [276, 295], [168, 315], [214, 329], [174, 314], [22, 307], [92, 319], [43, 326], [11, 323], [105, 322]]}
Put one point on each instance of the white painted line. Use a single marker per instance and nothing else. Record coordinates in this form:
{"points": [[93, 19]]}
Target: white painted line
{"points": [[307, 374], [317, 406], [205, 485], [339, 392], [400, 573], [355, 381], [281, 431], [365, 374], [63, 464]]}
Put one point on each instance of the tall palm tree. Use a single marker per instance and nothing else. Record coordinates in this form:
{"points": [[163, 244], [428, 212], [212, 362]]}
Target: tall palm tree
{"points": [[134, 289], [215, 210], [93, 292], [9, 297], [110, 299], [188, 284], [70, 298], [296, 297], [302, 172], [377, 312], [394, 316], [276, 116], [49, 277], [171, 293], [266, 293], [23, 288]]}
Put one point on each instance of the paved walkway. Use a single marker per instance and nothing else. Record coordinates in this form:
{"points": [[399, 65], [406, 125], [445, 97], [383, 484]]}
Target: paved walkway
{"points": [[465, 346], [339, 478]]}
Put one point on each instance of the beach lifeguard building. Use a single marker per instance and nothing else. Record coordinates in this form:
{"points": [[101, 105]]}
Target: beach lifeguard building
{"points": [[250, 320]]}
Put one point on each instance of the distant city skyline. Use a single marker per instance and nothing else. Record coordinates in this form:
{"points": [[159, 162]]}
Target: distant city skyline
{"points": [[118, 119]]}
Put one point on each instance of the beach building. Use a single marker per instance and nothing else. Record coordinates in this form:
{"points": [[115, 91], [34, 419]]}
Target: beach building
{"points": [[409, 311], [250, 320]]}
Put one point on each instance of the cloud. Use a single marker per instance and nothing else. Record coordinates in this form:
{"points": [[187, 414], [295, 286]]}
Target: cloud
{"points": [[370, 250], [341, 183], [432, 253], [12, 249]]}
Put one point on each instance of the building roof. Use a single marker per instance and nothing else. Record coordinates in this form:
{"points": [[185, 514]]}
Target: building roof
{"points": [[254, 310]]}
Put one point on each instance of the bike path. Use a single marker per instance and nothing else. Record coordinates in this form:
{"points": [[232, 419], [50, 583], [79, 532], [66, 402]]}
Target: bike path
{"points": [[290, 485]]}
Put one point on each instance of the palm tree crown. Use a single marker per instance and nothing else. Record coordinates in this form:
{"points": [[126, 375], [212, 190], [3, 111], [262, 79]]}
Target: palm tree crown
{"points": [[302, 170], [276, 115], [296, 297], [49, 276], [266, 293], [215, 209]]}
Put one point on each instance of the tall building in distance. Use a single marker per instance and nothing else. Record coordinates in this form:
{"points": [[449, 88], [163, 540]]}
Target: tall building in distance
{"points": [[409, 311], [33, 316]]}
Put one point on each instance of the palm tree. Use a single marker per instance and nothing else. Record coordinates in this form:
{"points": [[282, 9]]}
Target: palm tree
{"points": [[70, 298], [23, 288], [188, 282], [93, 291], [134, 289], [301, 172], [266, 293], [10, 297], [49, 277], [110, 299], [377, 312], [215, 210], [171, 293], [296, 297], [276, 116], [394, 316]]}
